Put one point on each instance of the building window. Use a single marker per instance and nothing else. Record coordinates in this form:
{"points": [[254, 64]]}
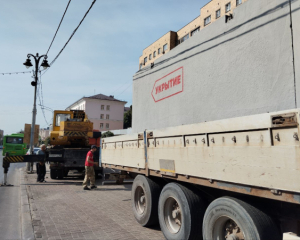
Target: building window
{"points": [[165, 47], [101, 125], [107, 125], [102, 107], [101, 116], [228, 7], [207, 20], [195, 31], [181, 40], [107, 107], [238, 2], [159, 51], [150, 56], [154, 54], [141, 65], [145, 60], [107, 116], [218, 13]]}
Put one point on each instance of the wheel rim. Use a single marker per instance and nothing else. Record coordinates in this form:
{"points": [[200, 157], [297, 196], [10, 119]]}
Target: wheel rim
{"points": [[140, 200], [172, 215], [227, 229]]}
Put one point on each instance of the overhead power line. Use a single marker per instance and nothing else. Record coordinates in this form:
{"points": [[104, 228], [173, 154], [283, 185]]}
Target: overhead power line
{"points": [[125, 89], [58, 26], [71, 36], [14, 73], [41, 99]]}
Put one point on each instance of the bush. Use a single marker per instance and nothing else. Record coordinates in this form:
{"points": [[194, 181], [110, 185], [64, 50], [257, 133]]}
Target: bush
{"points": [[107, 134]]}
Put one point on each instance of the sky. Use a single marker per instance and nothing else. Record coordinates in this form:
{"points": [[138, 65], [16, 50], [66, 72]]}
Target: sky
{"points": [[102, 56]]}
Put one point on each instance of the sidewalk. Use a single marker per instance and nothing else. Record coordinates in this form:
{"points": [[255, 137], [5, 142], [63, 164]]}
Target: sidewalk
{"points": [[61, 209]]}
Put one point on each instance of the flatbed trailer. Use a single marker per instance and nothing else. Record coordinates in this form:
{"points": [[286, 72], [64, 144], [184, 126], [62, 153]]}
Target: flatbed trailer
{"points": [[235, 178]]}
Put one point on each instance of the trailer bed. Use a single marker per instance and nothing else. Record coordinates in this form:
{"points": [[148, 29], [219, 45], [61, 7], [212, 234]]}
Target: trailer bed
{"points": [[256, 155]]}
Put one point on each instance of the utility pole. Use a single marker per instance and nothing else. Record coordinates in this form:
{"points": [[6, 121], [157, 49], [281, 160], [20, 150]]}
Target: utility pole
{"points": [[34, 83]]}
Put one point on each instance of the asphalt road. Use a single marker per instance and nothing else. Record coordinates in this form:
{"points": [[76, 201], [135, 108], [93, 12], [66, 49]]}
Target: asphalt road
{"points": [[10, 227]]}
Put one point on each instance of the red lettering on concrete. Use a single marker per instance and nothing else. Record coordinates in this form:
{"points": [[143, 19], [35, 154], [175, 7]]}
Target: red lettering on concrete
{"points": [[169, 84], [179, 79]]}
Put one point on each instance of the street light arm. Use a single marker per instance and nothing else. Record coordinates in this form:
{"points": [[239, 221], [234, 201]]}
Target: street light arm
{"points": [[30, 55], [37, 57]]}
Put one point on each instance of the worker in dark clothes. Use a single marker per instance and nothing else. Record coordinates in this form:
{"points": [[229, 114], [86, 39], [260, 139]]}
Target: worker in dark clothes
{"points": [[40, 166]]}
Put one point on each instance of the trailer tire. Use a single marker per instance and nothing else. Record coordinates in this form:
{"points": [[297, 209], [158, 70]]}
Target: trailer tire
{"points": [[181, 212], [66, 172], [53, 173], [60, 174], [97, 172], [244, 221], [145, 194]]}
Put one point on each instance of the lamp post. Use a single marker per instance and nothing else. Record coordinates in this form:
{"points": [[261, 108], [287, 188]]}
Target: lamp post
{"points": [[28, 64]]}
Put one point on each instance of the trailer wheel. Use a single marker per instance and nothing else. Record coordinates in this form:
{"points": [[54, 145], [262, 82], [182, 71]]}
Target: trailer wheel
{"points": [[180, 212], [97, 172], [145, 194], [60, 174], [66, 172], [229, 218], [53, 173]]}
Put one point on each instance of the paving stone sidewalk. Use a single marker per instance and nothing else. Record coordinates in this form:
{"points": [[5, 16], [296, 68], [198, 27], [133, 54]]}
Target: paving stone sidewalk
{"points": [[61, 209]]}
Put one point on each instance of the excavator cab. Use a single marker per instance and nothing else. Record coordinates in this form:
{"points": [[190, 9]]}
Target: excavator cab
{"points": [[71, 128]]}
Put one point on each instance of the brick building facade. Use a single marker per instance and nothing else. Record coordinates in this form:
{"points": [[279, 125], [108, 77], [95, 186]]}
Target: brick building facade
{"points": [[1, 136]]}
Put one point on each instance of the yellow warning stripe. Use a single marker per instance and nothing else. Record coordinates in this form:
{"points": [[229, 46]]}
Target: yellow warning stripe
{"points": [[167, 170], [13, 159], [75, 134]]}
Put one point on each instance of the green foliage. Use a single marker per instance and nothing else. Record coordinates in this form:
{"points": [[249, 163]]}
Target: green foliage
{"points": [[107, 134], [47, 141], [128, 119]]}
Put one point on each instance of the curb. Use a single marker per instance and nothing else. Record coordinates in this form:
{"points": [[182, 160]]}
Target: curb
{"points": [[26, 220]]}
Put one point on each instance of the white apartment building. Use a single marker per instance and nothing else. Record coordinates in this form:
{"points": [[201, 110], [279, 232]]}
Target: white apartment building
{"points": [[106, 112]]}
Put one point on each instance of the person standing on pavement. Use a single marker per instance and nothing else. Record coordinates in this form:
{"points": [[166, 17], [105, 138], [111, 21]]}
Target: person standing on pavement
{"points": [[89, 169], [40, 166]]}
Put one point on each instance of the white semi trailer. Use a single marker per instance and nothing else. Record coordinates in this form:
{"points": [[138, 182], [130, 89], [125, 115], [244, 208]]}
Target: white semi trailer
{"points": [[232, 179], [222, 160]]}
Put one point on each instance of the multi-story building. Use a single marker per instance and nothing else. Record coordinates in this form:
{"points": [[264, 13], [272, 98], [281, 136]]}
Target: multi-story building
{"points": [[44, 133], [209, 13], [1, 136], [106, 112]]}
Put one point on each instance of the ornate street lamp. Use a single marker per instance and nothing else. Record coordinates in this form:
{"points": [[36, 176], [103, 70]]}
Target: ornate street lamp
{"points": [[28, 64]]}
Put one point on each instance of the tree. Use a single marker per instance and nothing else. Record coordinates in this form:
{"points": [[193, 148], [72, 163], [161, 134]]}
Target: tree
{"points": [[128, 119], [47, 141], [107, 134], [1, 139]]}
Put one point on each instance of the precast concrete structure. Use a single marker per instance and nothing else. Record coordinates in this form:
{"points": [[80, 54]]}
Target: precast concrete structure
{"points": [[249, 65]]}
